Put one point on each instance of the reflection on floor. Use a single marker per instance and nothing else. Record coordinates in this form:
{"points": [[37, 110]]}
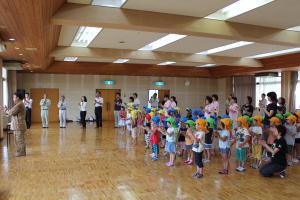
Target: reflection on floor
{"points": [[74, 163]]}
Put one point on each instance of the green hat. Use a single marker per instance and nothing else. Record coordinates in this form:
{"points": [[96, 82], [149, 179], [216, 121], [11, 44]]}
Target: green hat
{"points": [[191, 123], [211, 122], [280, 116], [171, 121], [287, 114]]}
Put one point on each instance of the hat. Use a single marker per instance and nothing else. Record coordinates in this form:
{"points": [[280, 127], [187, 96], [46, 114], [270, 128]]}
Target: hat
{"points": [[279, 116], [194, 118], [225, 117], [259, 119], [177, 109], [276, 121], [183, 119], [171, 111], [147, 110], [297, 114], [151, 114], [161, 112], [156, 120], [293, 118], [197, 112], [201, 124], [153, 109], [211, 122], [226, 122], [148, 117], [287, 114], [130, 108], [171, 121], [243, 121], [191, 123]]}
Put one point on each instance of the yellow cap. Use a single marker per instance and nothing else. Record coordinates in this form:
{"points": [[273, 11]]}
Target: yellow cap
{"points": [[243, 121]]}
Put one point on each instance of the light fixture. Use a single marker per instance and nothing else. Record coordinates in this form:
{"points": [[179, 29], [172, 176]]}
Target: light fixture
{"points": [[237, 8], [275, 53], [166, 63], [119, 61], [226, 47], [85, 35], [11, 39], [17, 48], [109, 3], [70, 59], [296, 28], [20, 54], [162, 42], [207, 65]]}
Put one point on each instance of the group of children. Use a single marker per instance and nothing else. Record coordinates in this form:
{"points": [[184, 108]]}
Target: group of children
{"points": [[198, 138]]}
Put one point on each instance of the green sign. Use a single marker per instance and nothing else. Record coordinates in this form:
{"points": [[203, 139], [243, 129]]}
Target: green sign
{"points": [[159, 83], [109, 82]]}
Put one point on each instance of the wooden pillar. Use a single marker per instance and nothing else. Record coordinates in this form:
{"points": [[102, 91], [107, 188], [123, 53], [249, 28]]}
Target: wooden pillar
{"points": [[1, 101], [286, 88]]}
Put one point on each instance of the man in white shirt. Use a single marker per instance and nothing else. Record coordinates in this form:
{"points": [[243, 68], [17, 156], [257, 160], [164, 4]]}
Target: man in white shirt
{"points": [[136, 102], [62, 106], [28, 106], [45, 104], [98, 109]]}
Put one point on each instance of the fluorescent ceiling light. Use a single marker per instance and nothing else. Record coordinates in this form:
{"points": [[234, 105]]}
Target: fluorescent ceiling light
{"points": [[226, 47], [121, 61], [237, 8], [85, 35], [207, 65], [296, 28], [166, 63], [70, 59], [162, 42], [275, 53], [109, 3]]}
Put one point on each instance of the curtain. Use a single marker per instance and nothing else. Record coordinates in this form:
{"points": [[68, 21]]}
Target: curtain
{"points": [[11, 86], [293, 84], [244, 86]]}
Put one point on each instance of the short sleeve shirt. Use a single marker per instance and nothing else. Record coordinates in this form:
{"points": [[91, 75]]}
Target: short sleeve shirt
{"points": [[241, 134], [224, 144], [271, 106]]}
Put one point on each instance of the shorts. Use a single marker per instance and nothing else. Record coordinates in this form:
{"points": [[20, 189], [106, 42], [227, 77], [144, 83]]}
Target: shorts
{"points": [[297, 141], [208, 146], [189, 147], [215, 143], [290, 149], [182, 145], [240, 154], [256, 151], [121, 122], [170, 147], [225, 151]]}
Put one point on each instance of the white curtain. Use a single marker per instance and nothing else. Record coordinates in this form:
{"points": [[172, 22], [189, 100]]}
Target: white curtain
{"points": [[244, 86]]}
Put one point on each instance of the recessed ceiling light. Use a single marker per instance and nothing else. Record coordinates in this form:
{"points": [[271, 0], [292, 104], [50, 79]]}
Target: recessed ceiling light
{"points": [[162, 42], [85, 35], [296, 28], [275, 53], [17, 48], [12, 39], [167, 63], [226, 47], [237, 8], [31, 49], [109, 3], [207, 65], [119, 61], [20, 54], [70, 59], [31, 71]]}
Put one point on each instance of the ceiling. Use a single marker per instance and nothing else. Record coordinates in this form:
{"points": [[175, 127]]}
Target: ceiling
{"points": [[35, 27]]}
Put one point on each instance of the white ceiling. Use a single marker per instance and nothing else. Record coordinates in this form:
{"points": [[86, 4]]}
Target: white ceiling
{"points": [[278, 14]]}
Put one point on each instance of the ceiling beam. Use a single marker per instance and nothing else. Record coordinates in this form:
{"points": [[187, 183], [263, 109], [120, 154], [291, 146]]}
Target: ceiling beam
{"points": [[97, 16], [152, 55]]}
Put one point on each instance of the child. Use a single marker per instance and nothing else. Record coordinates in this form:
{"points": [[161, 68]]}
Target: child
{"points": [[291, 132], [147, 130], [224, 143], [154, 138], [140, 121], [256, 132], [198, 146], [129, 119], [181, 138], [190, 125], [242, 137], [122, 118], [208, 139], [170, 145], [297, 138], [134, 127]]}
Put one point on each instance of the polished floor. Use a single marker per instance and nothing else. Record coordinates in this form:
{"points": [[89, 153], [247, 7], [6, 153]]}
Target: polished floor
{"points": [[76, 164]]}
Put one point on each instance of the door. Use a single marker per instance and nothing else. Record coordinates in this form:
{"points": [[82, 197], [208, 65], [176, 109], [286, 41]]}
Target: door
{"points": [[37, 95], [161, 94], [108, 96]]}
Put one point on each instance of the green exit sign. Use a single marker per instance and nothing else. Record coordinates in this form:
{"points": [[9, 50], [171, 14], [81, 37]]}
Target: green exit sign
{"points": [[109, 82], [159, 83]]}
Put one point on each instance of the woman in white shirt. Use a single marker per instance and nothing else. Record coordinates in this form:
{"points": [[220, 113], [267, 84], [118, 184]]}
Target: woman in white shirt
{"points": [[173, 102], [136, 102], [82, 106]]}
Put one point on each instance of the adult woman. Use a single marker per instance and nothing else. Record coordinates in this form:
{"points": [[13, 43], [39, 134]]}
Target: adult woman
{"points": [[281, 108], [227, 104], [117, 109], [233, 111], [271, 109], [247, 108], [136, 102], [82, 106], [209, 107], [18, 124], [215, 104], [167, 104], [173, 102]]}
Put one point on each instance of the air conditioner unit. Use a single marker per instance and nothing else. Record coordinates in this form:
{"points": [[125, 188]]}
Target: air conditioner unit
{"points": [[273, 74]]}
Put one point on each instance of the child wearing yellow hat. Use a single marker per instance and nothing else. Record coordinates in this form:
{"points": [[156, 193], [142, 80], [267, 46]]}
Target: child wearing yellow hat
{"points": [[297, 139], [242, 138], [291, 132], [190, 125], [256, 133], [134, 127], [198, 146]]}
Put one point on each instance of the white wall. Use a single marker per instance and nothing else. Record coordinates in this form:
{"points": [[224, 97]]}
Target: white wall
{"points": [[75, 86]]}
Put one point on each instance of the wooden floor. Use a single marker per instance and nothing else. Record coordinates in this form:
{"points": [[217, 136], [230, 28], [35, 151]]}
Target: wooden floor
{"points": [[102, 164]]}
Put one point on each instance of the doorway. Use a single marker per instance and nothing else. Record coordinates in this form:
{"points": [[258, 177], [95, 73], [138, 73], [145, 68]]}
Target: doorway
{"points": [[37, 94], [108, 96], [160, 94]]}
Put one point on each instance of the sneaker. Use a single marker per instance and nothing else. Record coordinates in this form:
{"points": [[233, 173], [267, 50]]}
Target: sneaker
{"points": [[154, 158], [190, 162], [282, 174], [238, 169], [199, 175], [195, 175], [186, 161], [241, 169], [295, 160], [254, 166], [223, 171], [206, 161], [170, 164]]}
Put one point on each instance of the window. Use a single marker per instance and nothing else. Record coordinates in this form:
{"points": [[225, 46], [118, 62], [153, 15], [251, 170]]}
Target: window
{"points": [[265, 84], [297, 95], [5, 90]]}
